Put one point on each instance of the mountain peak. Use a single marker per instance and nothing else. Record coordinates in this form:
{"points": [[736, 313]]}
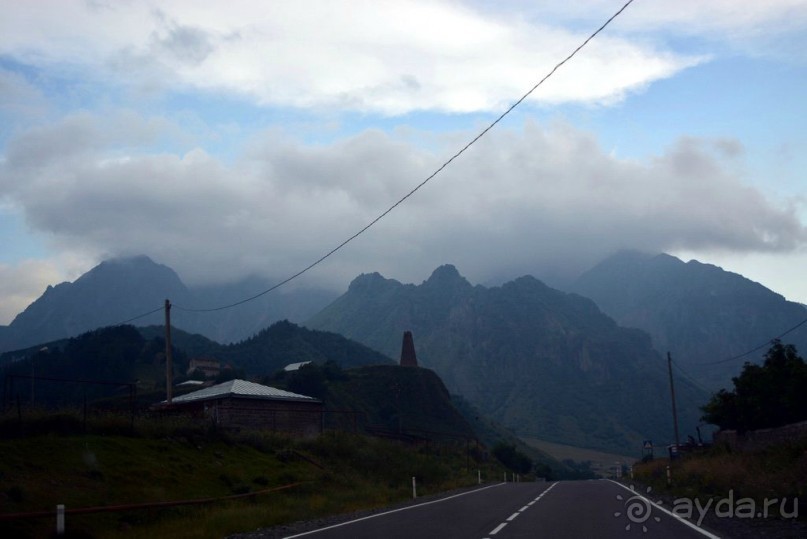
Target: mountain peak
{"points": [[446, 275], [370, 282]]}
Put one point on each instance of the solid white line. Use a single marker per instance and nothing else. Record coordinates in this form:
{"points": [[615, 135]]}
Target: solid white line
{"points": [[498, 528], [657, 506], [393, 511]]}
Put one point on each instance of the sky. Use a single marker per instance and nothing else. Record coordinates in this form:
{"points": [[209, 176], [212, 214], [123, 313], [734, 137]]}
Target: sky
{"points": [[244, 138]]}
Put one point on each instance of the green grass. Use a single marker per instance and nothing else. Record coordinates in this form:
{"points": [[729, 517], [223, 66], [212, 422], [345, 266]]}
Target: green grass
{"points": [[173, 460], [602, 463], [777, 472]]}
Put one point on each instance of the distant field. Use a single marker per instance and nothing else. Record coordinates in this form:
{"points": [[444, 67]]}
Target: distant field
{"points": [[601, 462]]}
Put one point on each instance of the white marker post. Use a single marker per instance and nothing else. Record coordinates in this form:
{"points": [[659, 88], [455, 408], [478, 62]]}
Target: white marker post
{"points": [[414, 488], [669, 476], [479, 476], [60, 519]]}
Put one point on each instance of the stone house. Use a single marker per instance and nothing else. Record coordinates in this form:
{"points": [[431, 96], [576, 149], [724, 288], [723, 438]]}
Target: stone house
{"points": [[210, 367]]}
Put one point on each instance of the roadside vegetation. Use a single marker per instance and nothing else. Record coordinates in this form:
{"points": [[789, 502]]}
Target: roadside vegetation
{"points": [[55, 458], [776, 472], [764, 396]]}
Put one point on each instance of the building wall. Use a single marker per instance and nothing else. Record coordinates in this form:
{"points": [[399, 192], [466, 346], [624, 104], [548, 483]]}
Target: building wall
{"points": [[302, 418], [298, 418], [210, 367]]}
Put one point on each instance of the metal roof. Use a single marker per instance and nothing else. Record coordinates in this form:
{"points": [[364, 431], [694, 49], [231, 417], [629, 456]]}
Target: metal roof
{"points": [[242, 389], [295, 366]]}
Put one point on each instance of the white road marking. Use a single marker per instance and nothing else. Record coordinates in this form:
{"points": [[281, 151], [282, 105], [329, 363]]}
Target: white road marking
{"points": [[393, 511], [657, 506], [514, 515]]}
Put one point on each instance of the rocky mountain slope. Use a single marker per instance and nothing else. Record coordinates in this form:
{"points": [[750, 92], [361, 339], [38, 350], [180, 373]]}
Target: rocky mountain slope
{"points": [[121, 289], [698, 312], [540, 361]]}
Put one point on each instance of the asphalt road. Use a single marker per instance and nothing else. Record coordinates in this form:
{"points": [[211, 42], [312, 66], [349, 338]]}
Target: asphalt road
{"points": [[568, 509]]}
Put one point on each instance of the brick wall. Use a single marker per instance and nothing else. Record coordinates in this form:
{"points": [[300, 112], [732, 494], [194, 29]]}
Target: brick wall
{"points": [[303, 418], [299, 418]]}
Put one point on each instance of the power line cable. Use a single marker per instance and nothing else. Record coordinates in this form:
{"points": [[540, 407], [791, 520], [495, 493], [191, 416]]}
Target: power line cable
{"points": [[690, 378], [158, 309], [761, 346], [424, 182]]}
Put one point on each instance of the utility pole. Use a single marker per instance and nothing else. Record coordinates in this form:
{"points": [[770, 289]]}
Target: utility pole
{"points": [[169, 367], [672, 392]]}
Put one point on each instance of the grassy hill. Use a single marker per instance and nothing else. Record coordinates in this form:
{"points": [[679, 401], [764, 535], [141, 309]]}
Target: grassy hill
{"points": [[275, 347], [411, 402], [163, 461], [126, 354]]}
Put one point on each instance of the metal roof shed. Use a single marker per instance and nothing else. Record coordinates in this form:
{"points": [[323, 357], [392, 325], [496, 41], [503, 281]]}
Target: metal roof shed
{"points": [[243, 404]]}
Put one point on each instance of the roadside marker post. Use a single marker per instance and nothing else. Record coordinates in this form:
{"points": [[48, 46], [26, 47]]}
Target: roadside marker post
{"points": [[60, 519], [414, 488]]}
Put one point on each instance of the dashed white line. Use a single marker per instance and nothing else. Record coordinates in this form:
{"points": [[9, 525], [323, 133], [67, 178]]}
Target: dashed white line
{"points": [[498, 528]]}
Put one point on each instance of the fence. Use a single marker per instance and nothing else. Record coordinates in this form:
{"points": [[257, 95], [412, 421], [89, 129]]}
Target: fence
{"points": [[754, 440]]}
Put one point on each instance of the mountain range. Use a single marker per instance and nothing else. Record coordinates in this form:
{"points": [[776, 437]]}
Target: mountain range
{"points": [[540, 361], [547, 363], [118, 290], [704, 316]]}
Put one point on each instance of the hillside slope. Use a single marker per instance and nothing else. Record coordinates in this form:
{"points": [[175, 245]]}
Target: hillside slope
{"points": [[125, 354]]}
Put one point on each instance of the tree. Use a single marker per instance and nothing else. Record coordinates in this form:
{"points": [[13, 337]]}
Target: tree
{"points": [[764, 396], [511, 457], [308, 380]]}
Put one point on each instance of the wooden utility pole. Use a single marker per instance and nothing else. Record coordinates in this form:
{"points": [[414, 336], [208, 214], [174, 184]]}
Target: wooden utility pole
{"points": [[672, 392], [169, 367]]}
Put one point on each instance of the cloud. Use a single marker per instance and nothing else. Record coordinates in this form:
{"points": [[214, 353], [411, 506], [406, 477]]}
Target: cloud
{"points": [[718, 19], [774, 28], [382, 57], [21, 283], [544, 199]]}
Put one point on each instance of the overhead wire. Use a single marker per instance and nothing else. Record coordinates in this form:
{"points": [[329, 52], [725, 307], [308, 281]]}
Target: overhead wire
{"points": [[424, 182], [158, 309], [427, 180], [760, 347], [690, 378]]}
